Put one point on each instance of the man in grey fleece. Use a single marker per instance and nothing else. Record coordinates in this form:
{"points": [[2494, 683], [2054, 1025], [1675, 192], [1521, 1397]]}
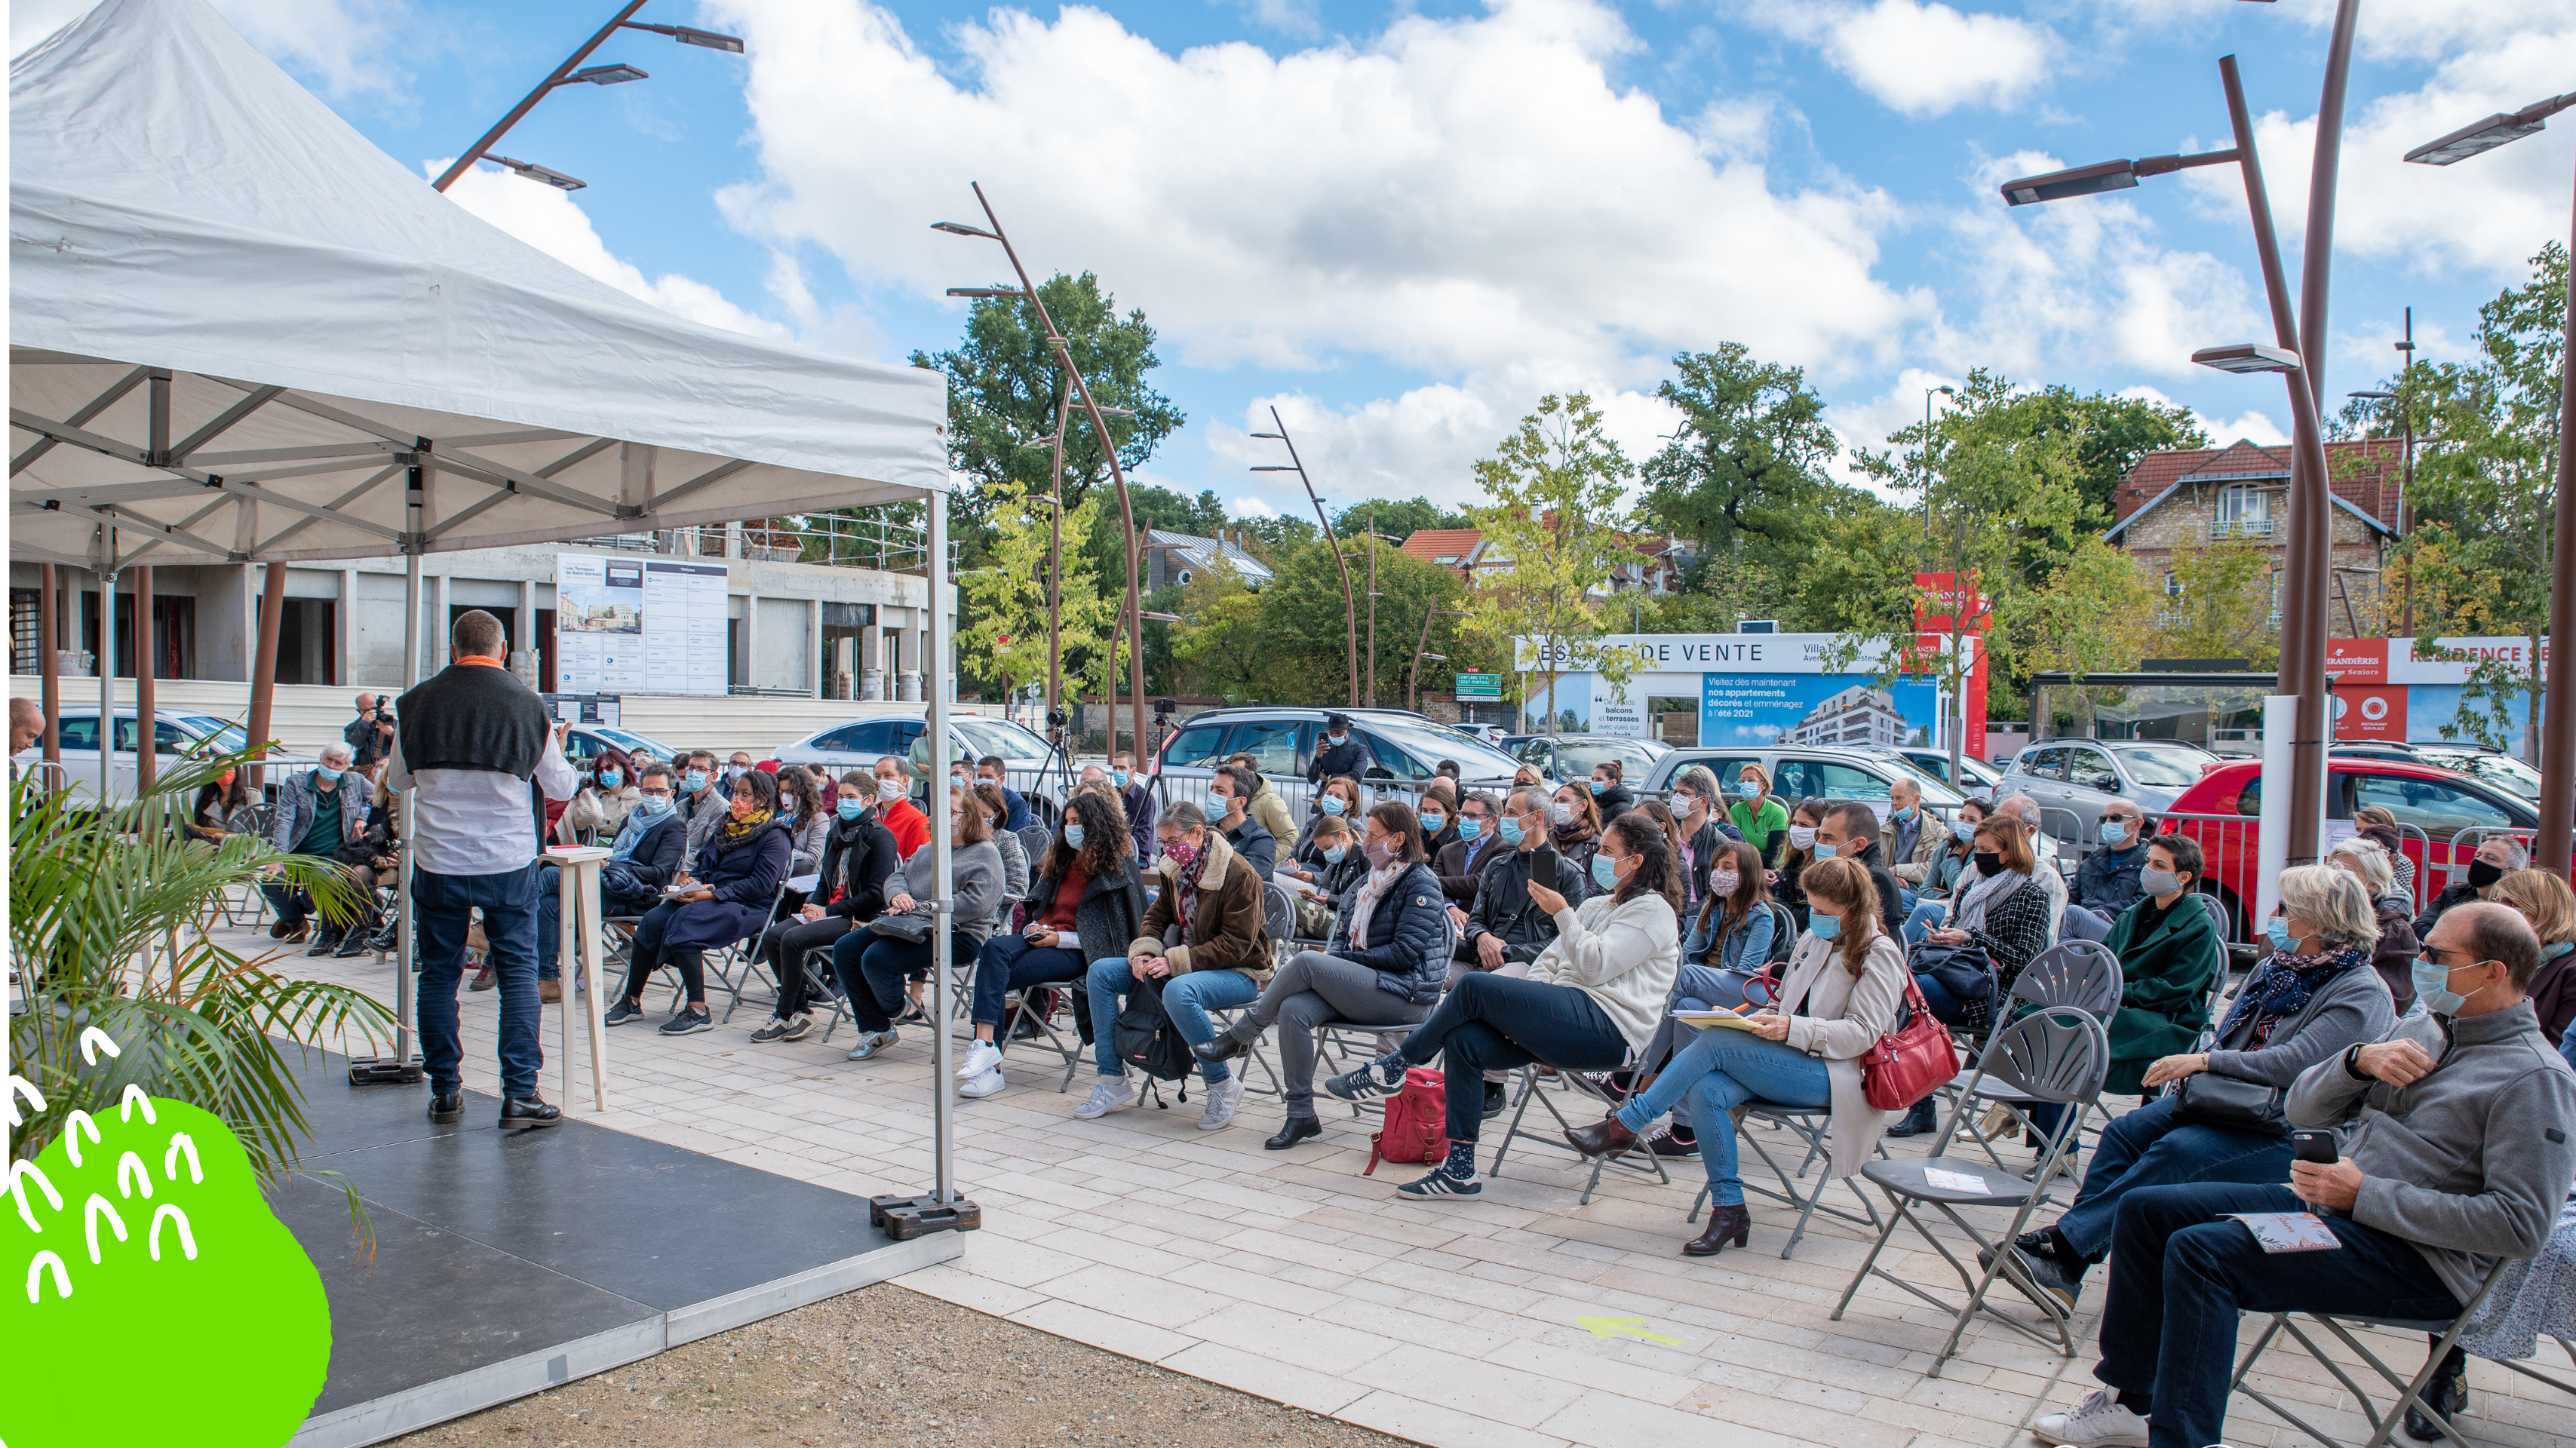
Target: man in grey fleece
{"points": [[2461, 1148]]}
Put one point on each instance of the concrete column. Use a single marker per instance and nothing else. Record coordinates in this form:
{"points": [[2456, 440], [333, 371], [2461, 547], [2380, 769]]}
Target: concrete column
{"points": [[346, 671], [751, 636], [815, 666]]}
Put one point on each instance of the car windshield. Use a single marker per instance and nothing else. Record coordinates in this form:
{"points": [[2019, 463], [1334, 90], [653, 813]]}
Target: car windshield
{"points": [[2501, 770], [1003, 738], [1576, 760], [623, 740], [1935, 793], [226, 738], [1476, 759], [2164, 768]]}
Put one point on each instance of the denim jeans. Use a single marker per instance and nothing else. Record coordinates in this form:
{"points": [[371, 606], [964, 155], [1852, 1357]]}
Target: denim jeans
{"points": [[1187, 999], [2153, 1147], [1492, 1022], [1925, 916], [2181, 1272], [1720, 1071], [1945, 1006], [872, 969], [1010, 963], [550, 916], [440, 904]]}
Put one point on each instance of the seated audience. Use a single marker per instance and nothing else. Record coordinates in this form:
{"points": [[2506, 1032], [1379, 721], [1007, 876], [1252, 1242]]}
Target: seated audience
{"points": [[807, 818], [644, 857], [875, 964], [727, 899], [1385, 964], [1228, 806], [1844, 989], [1461, 864], [2379, 822], [987, 797], [2544, 900], [1205, 938], [1136, 796], [2457, 1156], [1438, 810], [1527, 775], [1086, 892], [2307, 1003], [1338, 867], [2497, 857], [2106, 881], [859, 853], [1506, 926], [705, 801], [218, 800], [895, 810], [2004, 914], [1015, 816], [2394, 954], [1940, 881], [1589, 1002], [1912, 841], [1705, 832], [1609, 789], [316, 814], [1336, 798], [1733, 930], [2043, 853], [1797, 852], [2169, 951], [1575, 822], [1849, 831], [600, 805], [1264, 803], [1763, 821]]}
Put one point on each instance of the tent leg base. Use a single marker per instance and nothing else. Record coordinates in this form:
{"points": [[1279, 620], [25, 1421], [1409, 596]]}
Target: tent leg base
{"points": [[904, 1218], [378, 1071]]}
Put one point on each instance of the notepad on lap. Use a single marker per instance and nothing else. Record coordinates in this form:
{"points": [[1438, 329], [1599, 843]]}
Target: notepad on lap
{"points": [[2289, 1231], [1706, 1019]]}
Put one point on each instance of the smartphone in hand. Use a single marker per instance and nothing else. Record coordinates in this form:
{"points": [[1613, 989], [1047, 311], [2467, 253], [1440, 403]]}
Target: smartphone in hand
{"points": [[2314, 1146]]}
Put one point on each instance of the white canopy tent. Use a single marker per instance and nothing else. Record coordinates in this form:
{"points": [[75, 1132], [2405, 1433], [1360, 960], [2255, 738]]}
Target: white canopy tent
{"points": [[241, 333]]}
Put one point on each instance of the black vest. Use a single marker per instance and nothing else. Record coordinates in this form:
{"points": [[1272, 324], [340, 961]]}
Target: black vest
{"points": [[472, 716]]}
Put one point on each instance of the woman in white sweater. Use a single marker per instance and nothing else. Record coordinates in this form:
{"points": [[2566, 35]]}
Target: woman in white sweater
{"points": [[1845, 985], [1590, 999]]}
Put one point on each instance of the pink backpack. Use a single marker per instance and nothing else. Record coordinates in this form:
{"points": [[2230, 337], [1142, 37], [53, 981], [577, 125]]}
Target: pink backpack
{"points": [[1417, 1120]]}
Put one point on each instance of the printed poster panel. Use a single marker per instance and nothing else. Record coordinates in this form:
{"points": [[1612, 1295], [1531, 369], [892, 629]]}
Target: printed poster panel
{"points": [[685, 603], [599, 624], [1750, 710], [1565, 709]]}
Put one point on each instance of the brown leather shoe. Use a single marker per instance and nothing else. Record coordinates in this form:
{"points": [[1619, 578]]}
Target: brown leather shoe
{"points": [[550, 991], [1605, 1137], [1727, 1226]]}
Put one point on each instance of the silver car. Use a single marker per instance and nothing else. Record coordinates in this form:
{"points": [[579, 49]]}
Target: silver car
{"points": [[1799, 772], [860, 743], [2072, 779], [1404, 752], [177, 736]]}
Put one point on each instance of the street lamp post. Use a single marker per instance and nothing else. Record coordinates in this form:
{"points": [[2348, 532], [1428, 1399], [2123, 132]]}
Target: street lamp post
{"points": [[1923, 469], [565, 74], [2558, 697], [1413, 679], [1099, 416], [1350, 604]]}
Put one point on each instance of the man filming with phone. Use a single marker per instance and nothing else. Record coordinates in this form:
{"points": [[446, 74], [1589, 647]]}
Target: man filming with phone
{"points": [[2460, 1148]]}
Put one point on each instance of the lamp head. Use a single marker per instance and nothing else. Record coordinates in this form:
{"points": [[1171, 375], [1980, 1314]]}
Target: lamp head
{"points": [[2475, 138], [2081, 181], [959, 228], [712, 40], [618, 74], [2247, 357], [535, 172], [986, 292]]}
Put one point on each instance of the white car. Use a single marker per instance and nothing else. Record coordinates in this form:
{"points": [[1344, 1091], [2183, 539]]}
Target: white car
{"points": [[860, 743], [177, 736]]}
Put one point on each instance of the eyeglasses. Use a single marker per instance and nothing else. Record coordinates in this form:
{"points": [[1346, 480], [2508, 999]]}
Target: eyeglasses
{"points": [[663, 793]]}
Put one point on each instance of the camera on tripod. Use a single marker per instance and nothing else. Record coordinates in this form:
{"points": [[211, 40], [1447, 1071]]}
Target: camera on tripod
{"points": [[1058, 719]]}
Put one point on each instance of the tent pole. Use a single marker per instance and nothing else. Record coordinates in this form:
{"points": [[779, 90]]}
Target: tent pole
{"points": [[400, 1066], [49, 664], [263, 669], [942, 863], [146, 738], [107, 668]]}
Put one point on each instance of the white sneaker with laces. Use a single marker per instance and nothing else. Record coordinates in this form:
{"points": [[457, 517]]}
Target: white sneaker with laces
{"points": [[1112, 1093], [1222, 1099], [982, 1058], [988, 1083], [2097, 1422]]}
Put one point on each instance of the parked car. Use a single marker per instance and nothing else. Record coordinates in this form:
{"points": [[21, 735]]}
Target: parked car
{"points": [[586, 742], [860, 743], [1404, 752], [2442, 816], [1980, 776], [2075, 778], [1490, 733], [1799, 771], [2474, 760], [1564, 758], [177, 736]]}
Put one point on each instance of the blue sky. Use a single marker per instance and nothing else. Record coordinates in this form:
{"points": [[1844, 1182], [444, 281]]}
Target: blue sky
{"points": [[1402, 224]]}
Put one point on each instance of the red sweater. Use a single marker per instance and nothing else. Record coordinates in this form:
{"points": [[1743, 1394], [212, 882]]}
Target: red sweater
{"points": [[904, 820], [1068, 899]]}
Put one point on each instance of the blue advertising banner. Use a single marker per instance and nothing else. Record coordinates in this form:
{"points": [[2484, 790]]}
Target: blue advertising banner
{"points": [[1829, 709]]}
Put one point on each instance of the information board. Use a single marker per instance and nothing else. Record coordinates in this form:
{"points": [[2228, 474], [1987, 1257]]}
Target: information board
{"points": [[1486, 688], [638, 626]]}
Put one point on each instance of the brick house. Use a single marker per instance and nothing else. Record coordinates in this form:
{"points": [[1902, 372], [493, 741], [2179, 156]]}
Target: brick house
{"points": [[2192, 497]]}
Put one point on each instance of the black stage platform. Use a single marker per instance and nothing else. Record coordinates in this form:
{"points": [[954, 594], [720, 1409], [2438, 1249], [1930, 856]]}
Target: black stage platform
{"points": [[508, 1261]]}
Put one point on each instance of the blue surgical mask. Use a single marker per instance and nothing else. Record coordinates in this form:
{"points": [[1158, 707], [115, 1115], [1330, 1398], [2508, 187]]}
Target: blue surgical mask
{"points": [[1511, 828], [2115, 833], [610, 778], [1825, 851], [1597, 786], [1118, 777], [1903, 813], [1073, 835], [652, 807], [1332, 804], [694, 780], [2552, 952], [850, 809], [2277, 930], [1825, 927], [2433, 987], [1468, 828], [1337, 740], [1334, 855], [329, 775], [1604, 873], [1432, 824], [1749, 788]]}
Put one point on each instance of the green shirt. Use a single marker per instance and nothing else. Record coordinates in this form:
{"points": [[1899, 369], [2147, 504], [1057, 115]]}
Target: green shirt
{"points": [[1758, 825], [324, 837]]}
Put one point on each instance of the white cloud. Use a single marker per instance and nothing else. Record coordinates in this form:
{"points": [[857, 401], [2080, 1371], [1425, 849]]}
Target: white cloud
{"points": [[2254, 426], [345, 44], [550, 221], [1918, 57], [1452, 195], [1248, 508]]}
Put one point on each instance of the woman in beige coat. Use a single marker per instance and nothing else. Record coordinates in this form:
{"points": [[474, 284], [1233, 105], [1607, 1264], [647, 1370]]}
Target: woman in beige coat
{"points": [[1845, 985]]}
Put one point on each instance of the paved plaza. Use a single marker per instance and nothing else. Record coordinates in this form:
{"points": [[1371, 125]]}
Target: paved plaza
{"points": [[1291, 1276]]}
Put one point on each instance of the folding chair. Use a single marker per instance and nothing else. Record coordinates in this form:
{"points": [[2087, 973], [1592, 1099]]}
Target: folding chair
{"points": [[737, 965], [1532, 1089], [2079, 975], [1811, 1125], [2057, 1054], [1035, 840], [821, 986]]}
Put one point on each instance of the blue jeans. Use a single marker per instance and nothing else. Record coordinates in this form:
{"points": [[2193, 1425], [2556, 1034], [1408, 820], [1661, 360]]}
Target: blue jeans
{"points": [[872, 969], [508, 900], [1945, 1006], [2153, 1147], [2181, 1272], [1010, 963], [1720, 1071], [1187, 999], [1925, 916], [550, 916]]}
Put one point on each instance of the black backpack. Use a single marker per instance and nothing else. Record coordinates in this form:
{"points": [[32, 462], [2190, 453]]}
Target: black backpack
{"points": [[1146, 1039]]}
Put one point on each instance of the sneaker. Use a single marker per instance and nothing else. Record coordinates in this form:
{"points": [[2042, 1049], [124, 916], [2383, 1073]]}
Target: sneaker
{"points": [[520, 1113], [770, 1030], [483, 979], [2097, 1422], [988, 1083], [798, 1026], [1109, 1095], [551, 991], [1441, 1184], [873, 1042], [2058, 1289], [982, 1057], [1362, 1084], [624, 1011], [1222, 1099], [688, 1023]]}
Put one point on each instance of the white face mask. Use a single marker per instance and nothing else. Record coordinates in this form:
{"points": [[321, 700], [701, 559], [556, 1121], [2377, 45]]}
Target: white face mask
{"points": [[1561, 814], [1802, 837], [890, 790]]}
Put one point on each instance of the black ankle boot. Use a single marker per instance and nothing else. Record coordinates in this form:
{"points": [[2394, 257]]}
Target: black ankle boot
{"points": [[1293, 1131]]}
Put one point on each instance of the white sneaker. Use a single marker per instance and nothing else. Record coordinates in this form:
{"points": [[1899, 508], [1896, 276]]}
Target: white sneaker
{"points": [[1112, 1093], [2097, 1422], [982, 1058], [987, 1083], [1222, 1099]]}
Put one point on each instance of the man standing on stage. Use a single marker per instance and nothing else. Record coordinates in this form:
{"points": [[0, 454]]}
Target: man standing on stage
{"points": [[467, 743]]}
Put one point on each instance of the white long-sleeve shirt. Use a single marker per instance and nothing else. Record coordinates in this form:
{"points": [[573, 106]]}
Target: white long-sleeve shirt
{"points": [[478, 821]]}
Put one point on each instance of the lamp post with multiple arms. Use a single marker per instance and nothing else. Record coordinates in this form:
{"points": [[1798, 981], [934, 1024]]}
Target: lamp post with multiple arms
{"points": [[2558, 699], [566, 74], [1350, 604], [1099, 417], [2309, 570]]}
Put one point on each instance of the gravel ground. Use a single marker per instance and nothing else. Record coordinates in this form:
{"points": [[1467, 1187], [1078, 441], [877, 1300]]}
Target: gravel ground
{"points": [[886, 1367]]}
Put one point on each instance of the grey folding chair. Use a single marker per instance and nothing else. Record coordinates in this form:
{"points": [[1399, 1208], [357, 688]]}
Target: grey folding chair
{"points": [[820, 986], [737, 966], [2056, 1054], [1035, 841], [1811, 1125], [2079, 975], [1534, 1088]]}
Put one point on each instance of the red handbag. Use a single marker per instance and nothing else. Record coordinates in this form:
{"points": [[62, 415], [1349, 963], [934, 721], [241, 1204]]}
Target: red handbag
{"points": [[1911, 1062]]}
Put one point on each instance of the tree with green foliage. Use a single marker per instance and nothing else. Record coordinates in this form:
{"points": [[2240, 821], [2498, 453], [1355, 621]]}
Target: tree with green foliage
{"points": [[1743, 477], [2110, 433], [1002, 636], [1552, 538], [1397, 518]]}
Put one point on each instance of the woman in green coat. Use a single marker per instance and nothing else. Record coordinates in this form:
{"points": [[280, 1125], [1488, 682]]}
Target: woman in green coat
{"points": [[2168, 948]]}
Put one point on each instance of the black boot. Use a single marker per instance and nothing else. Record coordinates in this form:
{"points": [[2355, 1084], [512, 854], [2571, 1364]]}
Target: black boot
{"points": [[2448, 1392], [1293, 1131], [1727, 1226], [1917, 1121], [327, 941]]}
